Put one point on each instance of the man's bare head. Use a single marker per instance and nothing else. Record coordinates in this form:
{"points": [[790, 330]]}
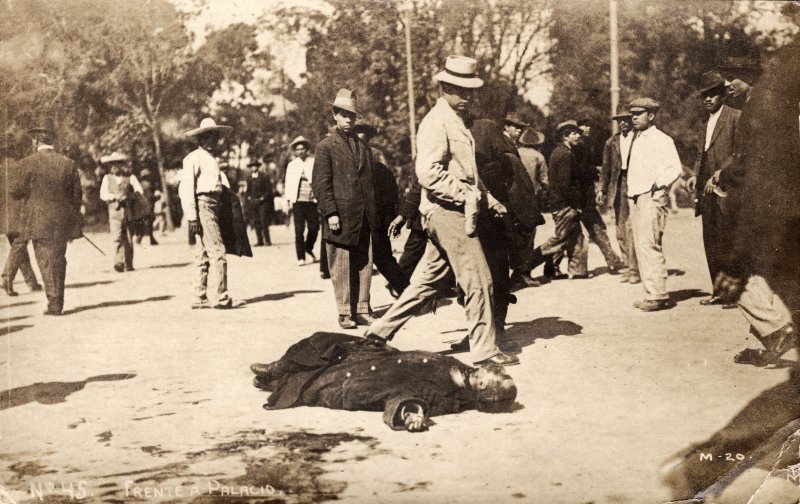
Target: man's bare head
{"points": [[494, 388]]}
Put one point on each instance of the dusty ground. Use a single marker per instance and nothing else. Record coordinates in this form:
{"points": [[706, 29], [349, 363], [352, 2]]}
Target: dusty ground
{"points": [[133, 396]]}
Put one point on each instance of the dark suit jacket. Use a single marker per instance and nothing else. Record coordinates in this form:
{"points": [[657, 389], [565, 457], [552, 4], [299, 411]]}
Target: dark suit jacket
{"points": [[344, 185], [386, 191], [612, 167], [720, 150], [341, 372], [50, 188], [564, 172], [259, 191], [9, 207]]}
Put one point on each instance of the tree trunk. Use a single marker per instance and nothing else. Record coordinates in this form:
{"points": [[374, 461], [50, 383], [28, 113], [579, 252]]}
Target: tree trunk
{"points": [[154, 128]]}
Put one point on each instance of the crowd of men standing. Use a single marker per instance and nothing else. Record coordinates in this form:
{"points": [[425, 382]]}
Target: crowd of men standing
{"points": [[480, 190]]}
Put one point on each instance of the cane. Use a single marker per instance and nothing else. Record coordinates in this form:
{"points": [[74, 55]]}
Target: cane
{"points": [[93, 244]]}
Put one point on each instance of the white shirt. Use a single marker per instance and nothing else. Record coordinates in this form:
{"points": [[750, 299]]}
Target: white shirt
{"points": [[654, 162], [108, 196], [201, 174], [294, 170], [624, 148], [712, 123]]}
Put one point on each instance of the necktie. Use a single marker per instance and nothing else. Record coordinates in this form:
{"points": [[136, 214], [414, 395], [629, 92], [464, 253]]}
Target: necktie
{"points": [[630, 149]]}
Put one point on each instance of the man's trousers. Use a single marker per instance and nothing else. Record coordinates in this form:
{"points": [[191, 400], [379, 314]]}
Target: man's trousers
{"points": [[305, 215], [121, 237], [383, 258], [597, 231], [210, 250], [714, 235], [448, 247], [649, 219], [351, 274], [261, 224], [624, 225], [19, 259], [51, 256], [764, 310], [568, 240]]}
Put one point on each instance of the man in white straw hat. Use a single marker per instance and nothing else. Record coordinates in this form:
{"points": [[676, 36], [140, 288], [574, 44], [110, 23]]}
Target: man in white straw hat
{"points": [[299, 195], [117, 189], [201, 187], [343, 185], [448, 174]]}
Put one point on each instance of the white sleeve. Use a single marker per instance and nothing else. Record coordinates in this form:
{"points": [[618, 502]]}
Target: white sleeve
{"points": [[104, 194]]}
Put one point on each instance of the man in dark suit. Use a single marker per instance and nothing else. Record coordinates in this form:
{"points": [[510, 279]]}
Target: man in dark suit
{"points": [[343, 184], [351, 373], [50, 188], [260, 202], [614, 190], [715, 151], [18, 258]]}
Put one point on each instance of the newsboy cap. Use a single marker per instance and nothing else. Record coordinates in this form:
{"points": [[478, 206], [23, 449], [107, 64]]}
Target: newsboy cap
{"points": [[644, 104], [565, 125], [622, 116]]}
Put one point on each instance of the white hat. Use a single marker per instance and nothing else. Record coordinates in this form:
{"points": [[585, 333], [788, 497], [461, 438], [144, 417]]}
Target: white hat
{"points": [[207, 124], [460, 71], [115, 156]]}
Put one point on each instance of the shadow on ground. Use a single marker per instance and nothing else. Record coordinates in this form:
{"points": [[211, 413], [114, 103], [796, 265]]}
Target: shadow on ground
{"points": [[685, 294], [277, 296], [165, 266], [20, 303], [88, 284], [526, 333], [51, 392], [5, 331], [109, 304]]}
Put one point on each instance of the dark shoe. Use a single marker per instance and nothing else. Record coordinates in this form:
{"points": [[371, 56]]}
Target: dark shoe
{"points": [[258, 245], [129, 268], [501, 359], [37, 288], [522, 280], [323, 275], [752, 356], [579, 277], [461, 346], [556, 275], [262, 384], [713, 300], [153, 242], [9, 288], [364, 319], [230, 303], [729, 306], [53, 313], [345, 322], [266, 371], [650, 305], [119, 268]]}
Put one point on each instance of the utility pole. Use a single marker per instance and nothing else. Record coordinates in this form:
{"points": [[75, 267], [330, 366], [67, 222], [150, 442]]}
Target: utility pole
{"points": [[407, 8], [613, 32]]}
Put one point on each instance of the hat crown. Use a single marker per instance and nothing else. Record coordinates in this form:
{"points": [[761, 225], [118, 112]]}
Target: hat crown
{"points": [[711, 80], [648, 104], [461, 65], [346, 99], [567, 124], [208, 122]]}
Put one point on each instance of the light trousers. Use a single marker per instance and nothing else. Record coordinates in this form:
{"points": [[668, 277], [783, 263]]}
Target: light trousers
{"points": [[648, 221]]}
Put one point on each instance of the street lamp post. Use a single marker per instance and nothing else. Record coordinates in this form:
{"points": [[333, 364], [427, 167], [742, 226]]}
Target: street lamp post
{"points": [[613, 30]]}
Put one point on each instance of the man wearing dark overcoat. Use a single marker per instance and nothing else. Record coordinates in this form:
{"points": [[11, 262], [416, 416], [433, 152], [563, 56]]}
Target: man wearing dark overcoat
{"points": [[614, 190], [343, 184], [715, 151], [50, 188], [260, 202], [18, 258], [351, 373]]}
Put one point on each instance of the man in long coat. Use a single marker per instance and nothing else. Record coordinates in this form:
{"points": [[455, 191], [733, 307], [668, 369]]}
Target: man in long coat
{"points": [[343, 184], [339, 371], [50, 188], [715, 151], [18, 258]]}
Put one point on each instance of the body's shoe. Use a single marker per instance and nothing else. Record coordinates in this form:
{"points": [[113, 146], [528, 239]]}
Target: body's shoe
{"points": [[713, 300], [461, 346], [509, 346], [53, 313], [230, 303], [325, 276], [119, 267], [501, 359], [364, 319], [301, 262], [346, 322], [201, 304], [37, 288]]}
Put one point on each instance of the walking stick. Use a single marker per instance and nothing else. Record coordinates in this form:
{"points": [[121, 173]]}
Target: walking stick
{"points": [[93, 244]]}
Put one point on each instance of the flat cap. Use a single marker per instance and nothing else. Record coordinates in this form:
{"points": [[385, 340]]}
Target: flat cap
{"points": [[564, 125], [621, 116], [641, 104]]}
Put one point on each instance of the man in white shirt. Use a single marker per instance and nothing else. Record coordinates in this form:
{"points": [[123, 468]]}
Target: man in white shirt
{"points": [[301, 200], [118, 189], [653, 166], [201, 187]]}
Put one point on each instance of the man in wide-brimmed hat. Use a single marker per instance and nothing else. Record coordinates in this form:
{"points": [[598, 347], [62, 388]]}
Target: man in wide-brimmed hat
{"points": [[301, 201], [614, 191], [530, 145], [260, 202], [201, 191], [50, 216], [451, 189], [343, 186], [118, 189], [653, 166], [566, 204]]}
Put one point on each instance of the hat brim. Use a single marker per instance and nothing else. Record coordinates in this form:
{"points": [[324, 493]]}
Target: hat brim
{"points": [[568, 127], [641, 109], [344, 107], [518, 124], [113, 159], [36, 130], [621, 116], [200, 131], [706, 89], [539, 139], [301, 142], [464, 82]]}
